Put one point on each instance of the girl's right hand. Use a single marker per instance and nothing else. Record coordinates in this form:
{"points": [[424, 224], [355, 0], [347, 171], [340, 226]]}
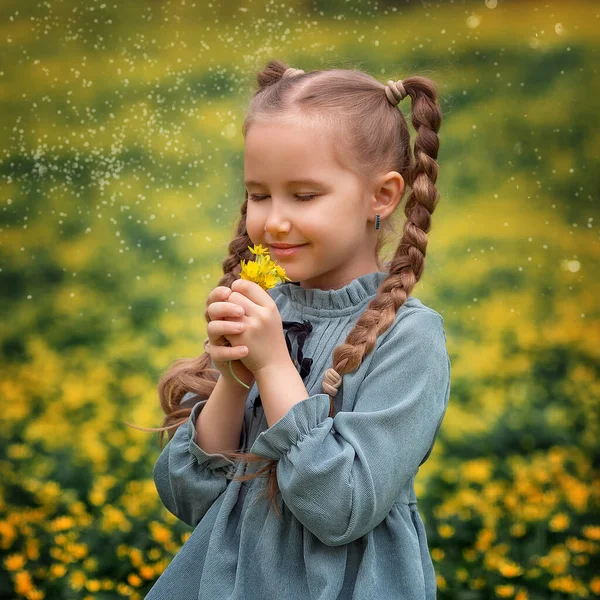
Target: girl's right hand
{"points": [[224, 322]]}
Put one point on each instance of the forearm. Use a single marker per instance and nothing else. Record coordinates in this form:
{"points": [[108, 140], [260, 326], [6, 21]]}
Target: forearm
{"points": [[280, 387], [219, 424]]}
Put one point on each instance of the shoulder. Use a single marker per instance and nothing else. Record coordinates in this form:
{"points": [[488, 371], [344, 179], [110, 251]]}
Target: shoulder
{"points": [[413, 314], [417, 330]]}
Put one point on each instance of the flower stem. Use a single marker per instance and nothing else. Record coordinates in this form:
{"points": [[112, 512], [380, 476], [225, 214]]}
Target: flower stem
{"points": [[236, 377]]}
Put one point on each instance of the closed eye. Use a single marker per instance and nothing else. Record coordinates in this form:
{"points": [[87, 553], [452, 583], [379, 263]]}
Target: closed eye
{"points": [[256, 198]]}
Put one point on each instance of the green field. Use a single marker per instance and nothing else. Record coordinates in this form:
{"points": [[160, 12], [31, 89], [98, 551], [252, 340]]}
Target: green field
{"points": [[121, 165]]}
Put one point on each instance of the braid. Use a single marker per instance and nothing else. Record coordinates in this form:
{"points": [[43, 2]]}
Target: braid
{"points": [[408, 263], [369, 130]]}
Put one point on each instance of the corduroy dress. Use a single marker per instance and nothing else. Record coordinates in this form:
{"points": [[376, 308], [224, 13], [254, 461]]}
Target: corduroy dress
{"points": [[350, 528]]}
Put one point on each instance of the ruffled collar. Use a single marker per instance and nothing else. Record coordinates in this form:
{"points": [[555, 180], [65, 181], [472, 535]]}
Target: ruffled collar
{"points": [[348, 297]]}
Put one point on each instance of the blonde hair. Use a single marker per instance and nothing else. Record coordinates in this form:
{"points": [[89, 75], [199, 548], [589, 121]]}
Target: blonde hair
{"points": [[373, 138]]}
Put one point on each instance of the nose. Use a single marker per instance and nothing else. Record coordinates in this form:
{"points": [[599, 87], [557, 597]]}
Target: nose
{"points": [[276, 222]]}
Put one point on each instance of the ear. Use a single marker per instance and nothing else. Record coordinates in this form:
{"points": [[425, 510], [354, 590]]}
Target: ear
{"points": [[388, 192]]}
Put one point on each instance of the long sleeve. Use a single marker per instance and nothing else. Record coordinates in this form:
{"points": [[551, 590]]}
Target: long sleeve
{"points": [[340, 477], [187, 479]]}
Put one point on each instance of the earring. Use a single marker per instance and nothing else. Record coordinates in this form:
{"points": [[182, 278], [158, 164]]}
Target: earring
{"points": [[377, 221]]}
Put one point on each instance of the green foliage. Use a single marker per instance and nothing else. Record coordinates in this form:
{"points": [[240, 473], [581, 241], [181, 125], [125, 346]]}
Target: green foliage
{"points": [[122, 180]]}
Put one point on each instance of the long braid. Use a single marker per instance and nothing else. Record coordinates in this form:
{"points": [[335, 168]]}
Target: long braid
{"points": [[408, 263], [282, 89]]}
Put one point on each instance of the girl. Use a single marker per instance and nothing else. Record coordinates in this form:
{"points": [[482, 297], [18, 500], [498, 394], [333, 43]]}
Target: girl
{"points": [[342, 378]]}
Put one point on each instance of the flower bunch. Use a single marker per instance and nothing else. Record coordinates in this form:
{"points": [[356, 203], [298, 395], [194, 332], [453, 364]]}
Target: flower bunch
{"points": [[263, 270], [265, 273]]}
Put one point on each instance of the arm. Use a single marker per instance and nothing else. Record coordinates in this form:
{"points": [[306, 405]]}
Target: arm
{"points": [[220, 423], [341, 476], [189, 479], [280, 387]]}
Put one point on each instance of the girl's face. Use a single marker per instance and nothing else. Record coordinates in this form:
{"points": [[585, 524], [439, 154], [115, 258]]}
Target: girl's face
{"points": [[299, 194]]}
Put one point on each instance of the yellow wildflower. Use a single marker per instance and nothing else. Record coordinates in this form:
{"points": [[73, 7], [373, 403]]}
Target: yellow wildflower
{"points": [[559, 522], [77, 579], [93, 585], [146, 571], [595, 585], [14, 562], [445, 530], [258, 250], [592, 532], [134, 580], [263, 271], [510, 569], [437, 554]]}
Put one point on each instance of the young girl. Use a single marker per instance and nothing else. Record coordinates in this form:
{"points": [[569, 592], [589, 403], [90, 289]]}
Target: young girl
{"points": [[342, 378]]}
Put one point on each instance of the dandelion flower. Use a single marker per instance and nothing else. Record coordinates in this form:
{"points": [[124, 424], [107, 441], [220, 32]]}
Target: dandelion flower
{"points": [[264, 272]]}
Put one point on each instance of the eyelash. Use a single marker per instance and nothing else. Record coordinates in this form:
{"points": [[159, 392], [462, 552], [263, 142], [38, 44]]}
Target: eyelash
{"points": [[256, 198]]}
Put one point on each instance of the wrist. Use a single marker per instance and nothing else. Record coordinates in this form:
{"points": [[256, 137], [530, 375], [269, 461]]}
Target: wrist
{"points": [[233, 388], [268, 371]]}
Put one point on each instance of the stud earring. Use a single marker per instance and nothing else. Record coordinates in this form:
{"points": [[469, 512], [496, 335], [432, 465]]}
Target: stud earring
{"points": [[377, 221]]}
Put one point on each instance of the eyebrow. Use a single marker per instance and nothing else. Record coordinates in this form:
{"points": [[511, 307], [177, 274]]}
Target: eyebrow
{"points": [[294, 182]]}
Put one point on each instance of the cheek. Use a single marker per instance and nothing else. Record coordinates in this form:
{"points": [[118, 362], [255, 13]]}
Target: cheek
{"points": [[253, 225]]}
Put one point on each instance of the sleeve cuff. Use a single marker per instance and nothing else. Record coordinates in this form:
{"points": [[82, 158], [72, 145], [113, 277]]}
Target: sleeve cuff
{"points": [[210, 461], [305, 415]]}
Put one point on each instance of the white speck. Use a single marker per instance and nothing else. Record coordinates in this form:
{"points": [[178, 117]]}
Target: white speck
{"points": [[573, 266]]}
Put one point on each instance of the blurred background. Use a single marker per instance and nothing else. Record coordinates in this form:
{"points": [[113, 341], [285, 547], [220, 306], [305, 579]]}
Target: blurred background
{"points": [[121, 178]]}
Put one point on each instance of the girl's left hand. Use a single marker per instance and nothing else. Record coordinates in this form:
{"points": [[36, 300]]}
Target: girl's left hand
{"points": [[263, 330]]}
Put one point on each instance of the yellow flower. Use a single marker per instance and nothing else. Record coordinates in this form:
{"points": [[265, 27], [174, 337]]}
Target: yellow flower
{"points": [[595, 585], [263, 271], [14, 562], [510, 569], [592, 532], [445, 530], [258, 249], [504, 591], [23, 583], [559, 522]]}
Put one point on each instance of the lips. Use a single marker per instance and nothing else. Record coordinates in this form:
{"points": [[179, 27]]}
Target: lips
{"points": [[289, 251]]}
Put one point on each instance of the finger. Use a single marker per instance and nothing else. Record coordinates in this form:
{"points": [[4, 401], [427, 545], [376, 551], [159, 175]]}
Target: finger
{"points": [[223, 353], [252, 291], [219, 329], [220, 293], [238, 299], [222, 310]]}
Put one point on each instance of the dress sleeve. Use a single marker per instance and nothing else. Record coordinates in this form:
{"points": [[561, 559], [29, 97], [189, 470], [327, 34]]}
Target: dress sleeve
{"points": [[340, 477], [187, 479]]}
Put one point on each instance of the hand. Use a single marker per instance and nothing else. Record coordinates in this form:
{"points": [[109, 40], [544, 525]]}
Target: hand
{"points": [[224, 321], [263, 333]]}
